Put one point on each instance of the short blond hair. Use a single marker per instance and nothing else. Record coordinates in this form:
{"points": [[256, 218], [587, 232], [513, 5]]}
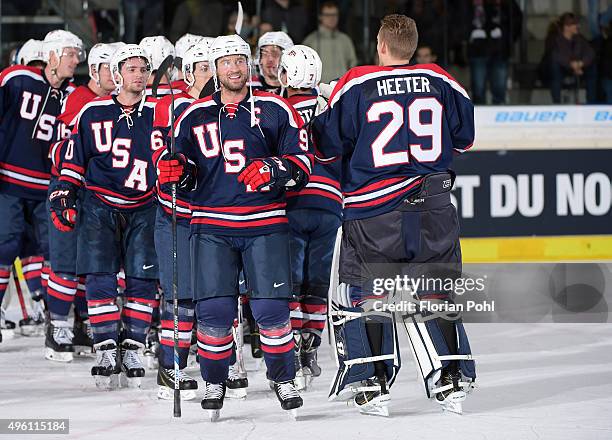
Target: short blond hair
{"points": [[400, 34]]}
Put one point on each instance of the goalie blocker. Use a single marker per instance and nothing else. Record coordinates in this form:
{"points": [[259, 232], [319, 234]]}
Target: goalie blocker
{"points": [[422, 231]]}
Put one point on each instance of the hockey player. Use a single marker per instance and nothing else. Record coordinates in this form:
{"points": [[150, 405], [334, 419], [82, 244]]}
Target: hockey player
{"points": [[314, 217], [181, 46], [30, 100], [109, 154], [158, 48], [270, 46], [196, 71], [32, 54], [396, 128], [62, 287], [251, 145]]}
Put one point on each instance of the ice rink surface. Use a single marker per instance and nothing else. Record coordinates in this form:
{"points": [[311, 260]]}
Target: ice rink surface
{"points": [[535, 381]]}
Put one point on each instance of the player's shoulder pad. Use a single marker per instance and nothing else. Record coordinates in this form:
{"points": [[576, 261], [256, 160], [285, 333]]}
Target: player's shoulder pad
{"points": [[20, 71], [294, 117], [360, 74]]}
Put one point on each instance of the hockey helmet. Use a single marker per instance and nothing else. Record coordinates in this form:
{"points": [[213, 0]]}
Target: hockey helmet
{"points": [[302, 65]]}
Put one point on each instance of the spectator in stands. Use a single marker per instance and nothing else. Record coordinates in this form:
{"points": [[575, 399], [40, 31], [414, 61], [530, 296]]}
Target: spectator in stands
{"points": [[494, 26], [334, 47], [197, 17], [568, 53], [287, 16], [425, 55], [430, 17]]}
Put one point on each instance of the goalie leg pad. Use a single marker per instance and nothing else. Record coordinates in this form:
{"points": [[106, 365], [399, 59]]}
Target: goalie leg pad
{"points": [[354, 355], [432, 354]]}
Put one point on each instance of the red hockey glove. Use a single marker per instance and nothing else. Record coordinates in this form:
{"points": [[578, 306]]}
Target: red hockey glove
{"points": [[177, 169], [63, 208], [269, 171]]}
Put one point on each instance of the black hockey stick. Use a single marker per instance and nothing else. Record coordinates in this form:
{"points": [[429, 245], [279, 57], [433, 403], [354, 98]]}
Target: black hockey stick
{"points": [[163, 70]]}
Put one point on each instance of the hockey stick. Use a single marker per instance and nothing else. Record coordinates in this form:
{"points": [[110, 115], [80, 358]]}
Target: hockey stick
{"points": [[161, 72], [24, 310], [239, 19]]}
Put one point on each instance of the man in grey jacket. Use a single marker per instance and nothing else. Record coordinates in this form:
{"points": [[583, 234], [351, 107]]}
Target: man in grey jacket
{"points": [[334, 47]]}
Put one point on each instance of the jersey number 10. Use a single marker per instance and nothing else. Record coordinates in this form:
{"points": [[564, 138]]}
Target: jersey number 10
{"points": [[432, 129]]}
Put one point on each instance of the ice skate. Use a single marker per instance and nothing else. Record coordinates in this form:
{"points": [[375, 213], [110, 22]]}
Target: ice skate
{"points": [[165, 380], [213, 399], [83, 337], [151, 349], [289, 398], [308, 358], [106, 369], [34, 325], [373, 399], [302, 375], [449, 393], [236, 383], [7, 327], [132, 368], [58, 342]]}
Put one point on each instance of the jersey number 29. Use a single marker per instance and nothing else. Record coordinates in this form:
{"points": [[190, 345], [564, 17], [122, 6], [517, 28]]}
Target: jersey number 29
{"points": [[432, 129]]}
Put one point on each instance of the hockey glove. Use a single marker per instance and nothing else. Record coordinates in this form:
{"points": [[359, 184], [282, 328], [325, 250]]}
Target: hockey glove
{"points": [[273, 172], [175, 168], [63, 208]]}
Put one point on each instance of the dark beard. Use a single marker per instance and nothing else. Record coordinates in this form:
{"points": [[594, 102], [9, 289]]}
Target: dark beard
{"points": [[237, 88]]}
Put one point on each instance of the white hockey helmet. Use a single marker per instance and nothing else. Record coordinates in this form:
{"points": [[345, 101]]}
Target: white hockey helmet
{"points": [[228, 45], [276, 38], [101, 53], [302, 65], [184, 43], [158, 48], [197, 53], [124, 53], [32, 50], [56, 41]]}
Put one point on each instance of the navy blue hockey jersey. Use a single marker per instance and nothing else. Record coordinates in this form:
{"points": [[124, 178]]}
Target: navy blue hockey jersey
{"points": [[392, 126], [161, 129], [258, 82], [28, 110], [219, 139], [323, 188], [110, 152]]}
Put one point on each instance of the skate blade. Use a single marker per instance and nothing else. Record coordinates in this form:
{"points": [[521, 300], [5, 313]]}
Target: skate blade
{"points": [[213, 414], [58, 356], [293, 414], [7, 334], [130, 382], [107, 383], [31, 330], [236, 393], [166, 393], [376, 407], [452, 403]]}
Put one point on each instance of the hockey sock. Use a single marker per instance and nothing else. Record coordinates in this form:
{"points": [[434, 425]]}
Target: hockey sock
{"points": [[314, 315], [61, 289], [80, 302], [215, 341], [138, 308], [104, 317], [32, 272], [44, 276], [5, 275], [277, 344], [186, 311]]}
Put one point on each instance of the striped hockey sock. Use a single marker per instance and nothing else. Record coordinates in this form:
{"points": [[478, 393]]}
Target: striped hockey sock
{"points": [[61, 289], [185, 315]]}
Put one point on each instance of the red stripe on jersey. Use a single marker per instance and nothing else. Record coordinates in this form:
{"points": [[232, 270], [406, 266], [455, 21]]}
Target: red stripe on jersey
{"points": [[240, 209], [315, 192], [23, 183], [25, 171], [240, 224], [374, 186], [124, 206], [70, 180], [75, 168], [108, 192], [385, 198], [327, 180], [301, 164], [19, 68]]}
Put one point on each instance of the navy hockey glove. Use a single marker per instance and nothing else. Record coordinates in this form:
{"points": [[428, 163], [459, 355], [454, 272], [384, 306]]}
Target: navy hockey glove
{"points": [[175, 168], [63, 208], [269, 171]]}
